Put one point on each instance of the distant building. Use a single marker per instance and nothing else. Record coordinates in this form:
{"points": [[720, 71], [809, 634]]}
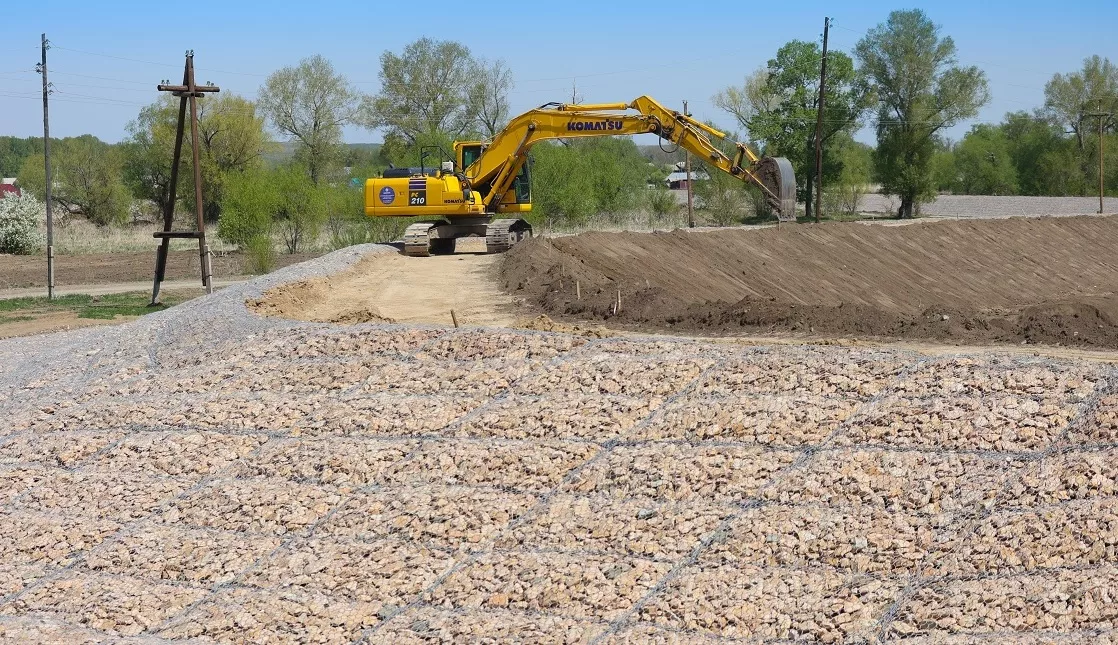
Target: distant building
{"points": [[679, 180], [8, 187]]}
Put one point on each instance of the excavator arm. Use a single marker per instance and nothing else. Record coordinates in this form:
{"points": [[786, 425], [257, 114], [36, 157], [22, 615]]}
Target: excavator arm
{"points": [[495, 169]]}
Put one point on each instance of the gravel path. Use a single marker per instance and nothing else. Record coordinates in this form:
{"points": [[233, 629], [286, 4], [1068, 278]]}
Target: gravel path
{"points": [[203, 473], [990, 207]]}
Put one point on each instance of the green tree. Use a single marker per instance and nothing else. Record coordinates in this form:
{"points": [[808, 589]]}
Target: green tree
{"points": [[945, 176], [310, 103], [984, 164], [431, 87], [783, 112], [87, 179], [233, 138], [745, 102], [404, 153], [921, 90], [1068, 98], [148, 151], [1030, 138], [14, 151]]}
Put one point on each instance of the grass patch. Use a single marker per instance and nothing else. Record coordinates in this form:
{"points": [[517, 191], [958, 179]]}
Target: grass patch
{"points": [[106, 307]]}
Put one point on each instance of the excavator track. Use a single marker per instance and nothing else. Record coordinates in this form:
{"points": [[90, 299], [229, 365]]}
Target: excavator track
{"points": [[416, 240], [437, 238], [501, 234]]}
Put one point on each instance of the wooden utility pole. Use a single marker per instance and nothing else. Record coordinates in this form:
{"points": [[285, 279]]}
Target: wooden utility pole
{"points": [[1102, 117], [819, 125], [687, 169], [46, 160], [189, 91]]}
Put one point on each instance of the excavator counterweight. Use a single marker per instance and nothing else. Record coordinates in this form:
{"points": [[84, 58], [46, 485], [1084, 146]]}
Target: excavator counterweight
{"points": [[487, 182]]}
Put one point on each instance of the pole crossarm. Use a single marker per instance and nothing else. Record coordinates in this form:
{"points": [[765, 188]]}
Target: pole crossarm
{"points": [[183, 90]]}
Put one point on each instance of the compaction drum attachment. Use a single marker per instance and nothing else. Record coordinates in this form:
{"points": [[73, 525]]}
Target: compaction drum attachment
{"points": [[779, 181]]}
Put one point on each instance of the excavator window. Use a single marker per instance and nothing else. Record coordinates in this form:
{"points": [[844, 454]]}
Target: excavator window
{"points": [[470, 155], [522, 186]]}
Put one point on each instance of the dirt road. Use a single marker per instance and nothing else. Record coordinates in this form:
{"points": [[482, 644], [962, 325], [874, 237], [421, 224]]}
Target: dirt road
{"points": [[101, 289], [396, 288], [19, 271]]}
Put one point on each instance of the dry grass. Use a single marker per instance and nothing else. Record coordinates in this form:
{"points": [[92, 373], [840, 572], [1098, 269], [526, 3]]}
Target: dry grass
{"points": [[80, 237]]}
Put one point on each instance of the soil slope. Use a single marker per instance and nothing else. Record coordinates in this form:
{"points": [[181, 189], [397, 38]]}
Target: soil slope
{"points": [[1034, 280]]}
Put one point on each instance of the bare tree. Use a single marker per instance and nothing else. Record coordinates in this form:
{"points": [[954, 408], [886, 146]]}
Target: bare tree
{"points": [[311, 103], [748, 100], [491, 95]]}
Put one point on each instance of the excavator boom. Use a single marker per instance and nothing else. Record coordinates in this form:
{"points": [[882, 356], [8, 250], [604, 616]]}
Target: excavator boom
{"points": [[501, 162], [489, 178]]}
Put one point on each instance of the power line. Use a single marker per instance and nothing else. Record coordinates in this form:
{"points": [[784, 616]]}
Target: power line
{"points": [[103, 78], [148, 62]]}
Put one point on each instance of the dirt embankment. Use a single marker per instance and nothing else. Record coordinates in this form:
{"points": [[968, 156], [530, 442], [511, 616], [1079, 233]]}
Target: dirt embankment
{"points": [[1049, 281], [129, 266]]}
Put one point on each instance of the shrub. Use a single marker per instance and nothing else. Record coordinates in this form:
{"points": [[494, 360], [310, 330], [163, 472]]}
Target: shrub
{"points": [[248, 207], [19, 224], [662, 202], [260, 255]]}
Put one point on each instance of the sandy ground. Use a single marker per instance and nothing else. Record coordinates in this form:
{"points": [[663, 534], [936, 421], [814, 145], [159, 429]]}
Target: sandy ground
{"points": [[397, 288]]}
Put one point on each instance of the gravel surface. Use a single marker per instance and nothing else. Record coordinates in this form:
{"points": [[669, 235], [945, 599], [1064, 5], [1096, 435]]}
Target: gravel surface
{"points": [[991, 207], [205, 474]]}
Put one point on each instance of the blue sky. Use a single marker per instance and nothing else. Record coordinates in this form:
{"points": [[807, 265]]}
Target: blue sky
{"points": [[612, 51]]}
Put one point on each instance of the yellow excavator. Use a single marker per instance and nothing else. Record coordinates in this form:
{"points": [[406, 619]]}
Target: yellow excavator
{"points": [[487, 180]]}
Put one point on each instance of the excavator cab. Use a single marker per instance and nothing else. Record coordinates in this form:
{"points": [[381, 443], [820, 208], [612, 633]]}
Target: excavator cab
{"points": [[518, 199]]}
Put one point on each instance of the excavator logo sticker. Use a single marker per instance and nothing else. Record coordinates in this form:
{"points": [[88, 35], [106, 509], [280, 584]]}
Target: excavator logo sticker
{"points": [[387, 195], [594, 125]]}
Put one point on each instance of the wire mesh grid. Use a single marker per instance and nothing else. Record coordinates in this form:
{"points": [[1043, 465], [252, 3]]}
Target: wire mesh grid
{"points": [[208, 473]]}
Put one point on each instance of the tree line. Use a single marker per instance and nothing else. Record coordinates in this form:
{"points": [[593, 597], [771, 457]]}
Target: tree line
{"points": [[903, 78]]}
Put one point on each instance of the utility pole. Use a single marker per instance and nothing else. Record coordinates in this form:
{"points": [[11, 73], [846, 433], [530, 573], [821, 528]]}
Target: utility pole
{"points": [[687, 169], [819, 125], [187, 93], [1102, 117], [46, 156]]}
